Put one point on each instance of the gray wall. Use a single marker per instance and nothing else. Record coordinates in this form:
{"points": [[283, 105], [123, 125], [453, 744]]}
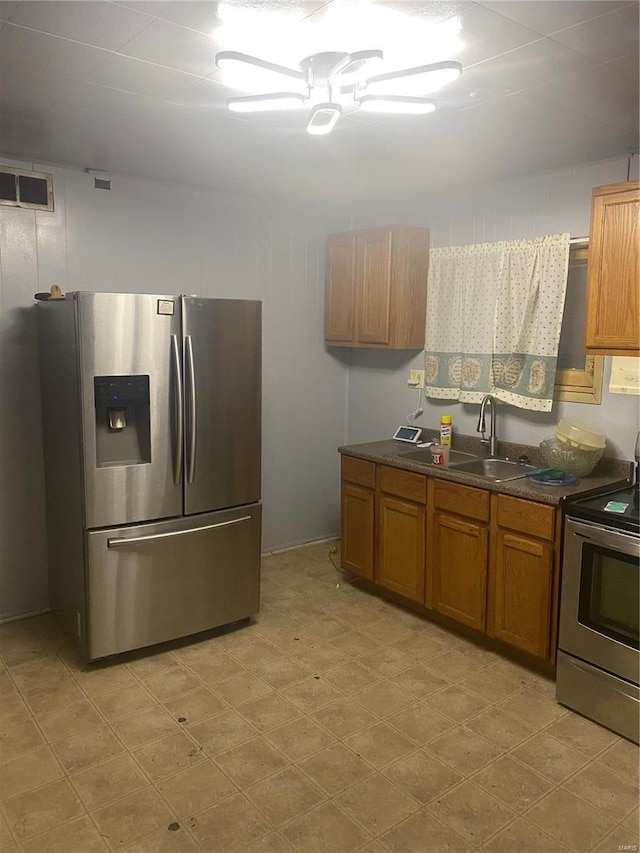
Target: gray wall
{"points": [[141, 237], [379, 398]]}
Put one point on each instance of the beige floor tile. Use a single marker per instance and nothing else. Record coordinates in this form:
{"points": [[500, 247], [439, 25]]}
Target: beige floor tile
{"points": [[296, 739], [451, 665], [581, 734], [64, 692], [39, 675], [423, 833], [43, 809], [623, 837], [420, 646], [523, 837], [316, 656], [471, 812], [86, 748], [463, 750], [311, 693], [18, 735], [326, 627], [570, 821], [195, 788], [420, 722], [126, 821], [386, 661], [601, 788], [167, 755], [194, 706], [422, 775], [250, 762], [14, 707], [343, 717], [280, 671], [174, 682], [501, 730], [174, 840], [213, 670], [355, 643], [380, 744], [419, 681], [323, 829], [271, 843], [456, 703], [143, 726], [532, 707], [77, 836], [623, 759], [242, 687], [377, 804], [350, 676], [27, 771], [187, 654], [123, 702], [7, 687], [511, 782], [25, 650], [99, 680], [145, 666], [284, 796], [234, 824], [63, 722], [388, 631], [511, 669], [221, 732], [335, 768], [383, 698], [6, 838], [548, 756], [101, 784], [491, 685], [268, 712]]}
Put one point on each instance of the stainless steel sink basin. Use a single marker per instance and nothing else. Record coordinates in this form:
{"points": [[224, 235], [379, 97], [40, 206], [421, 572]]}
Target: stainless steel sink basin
{"points": [[424, 455], [497, 470]]}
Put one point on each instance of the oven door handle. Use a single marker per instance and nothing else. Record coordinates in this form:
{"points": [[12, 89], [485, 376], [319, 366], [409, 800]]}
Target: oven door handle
{"points": [[617, 541]]}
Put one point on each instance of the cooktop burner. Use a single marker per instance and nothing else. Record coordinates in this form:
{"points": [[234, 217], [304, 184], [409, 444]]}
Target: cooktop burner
{"points": [[619, 509]]}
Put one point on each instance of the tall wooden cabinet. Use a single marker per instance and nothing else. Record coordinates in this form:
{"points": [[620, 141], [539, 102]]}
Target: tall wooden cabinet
{"points": [[376, 287], [613, 278]]}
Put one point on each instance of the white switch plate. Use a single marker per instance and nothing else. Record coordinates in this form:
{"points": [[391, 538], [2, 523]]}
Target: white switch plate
{"points": [[416, 379]]}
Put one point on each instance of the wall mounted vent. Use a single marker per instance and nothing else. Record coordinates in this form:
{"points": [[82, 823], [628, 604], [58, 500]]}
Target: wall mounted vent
{"points": [[102, 183], [21, 188]]}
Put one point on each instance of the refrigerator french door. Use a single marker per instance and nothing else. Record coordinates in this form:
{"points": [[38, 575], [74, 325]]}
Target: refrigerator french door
{"points": [[152, 428]]}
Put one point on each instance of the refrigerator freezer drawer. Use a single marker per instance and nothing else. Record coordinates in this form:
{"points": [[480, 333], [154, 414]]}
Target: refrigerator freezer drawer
{"points": [[150, 583]]}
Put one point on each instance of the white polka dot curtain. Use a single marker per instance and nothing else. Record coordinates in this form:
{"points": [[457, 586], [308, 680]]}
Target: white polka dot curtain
{"points": [[494, 312]]}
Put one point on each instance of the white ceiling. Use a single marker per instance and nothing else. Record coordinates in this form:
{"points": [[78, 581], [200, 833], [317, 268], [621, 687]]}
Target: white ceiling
{"points": [[132, 88]]}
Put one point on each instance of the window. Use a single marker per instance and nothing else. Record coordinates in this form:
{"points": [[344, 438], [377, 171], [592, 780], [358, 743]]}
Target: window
{"points": [[578, 376], [20, 188]]}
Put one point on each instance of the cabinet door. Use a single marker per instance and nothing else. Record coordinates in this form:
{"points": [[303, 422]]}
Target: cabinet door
{"points": [[521, 589], [401, 548], [459, 569], [613, 284], [373, 286], [356, 530], [340, 288]]}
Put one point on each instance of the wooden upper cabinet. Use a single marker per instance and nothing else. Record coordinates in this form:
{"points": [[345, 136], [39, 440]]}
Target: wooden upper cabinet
{"points": [[376, 287], [613, 278]]}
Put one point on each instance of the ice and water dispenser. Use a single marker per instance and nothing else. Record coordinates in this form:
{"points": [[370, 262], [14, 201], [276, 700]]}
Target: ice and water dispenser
{"points": [[123, 424]]}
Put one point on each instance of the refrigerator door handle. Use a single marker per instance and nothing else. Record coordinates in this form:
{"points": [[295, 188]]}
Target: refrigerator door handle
{"points": [[134, 540], [191, 389], [179, 408]]}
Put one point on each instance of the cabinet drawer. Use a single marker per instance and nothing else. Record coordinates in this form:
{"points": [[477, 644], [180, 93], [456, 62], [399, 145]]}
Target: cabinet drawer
{"points": [[461, 500], [526, 517], [404, 484], [358, 471]]}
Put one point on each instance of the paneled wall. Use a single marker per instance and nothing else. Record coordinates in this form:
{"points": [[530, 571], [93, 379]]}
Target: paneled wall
{"points": [[379, 399], [147, 237]]}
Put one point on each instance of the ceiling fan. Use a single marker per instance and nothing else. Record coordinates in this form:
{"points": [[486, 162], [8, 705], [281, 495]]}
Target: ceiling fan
{"points": [[326, 82]]}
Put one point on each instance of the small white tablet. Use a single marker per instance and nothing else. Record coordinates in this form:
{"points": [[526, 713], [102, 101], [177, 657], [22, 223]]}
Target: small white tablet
{"points": [[408, 433]]}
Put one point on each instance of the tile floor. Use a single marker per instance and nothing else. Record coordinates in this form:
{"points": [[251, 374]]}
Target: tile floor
{"points": [[335, 722]]}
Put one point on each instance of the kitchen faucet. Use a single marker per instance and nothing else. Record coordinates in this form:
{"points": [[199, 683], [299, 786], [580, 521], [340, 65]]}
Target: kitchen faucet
{"points": [[492, 441]]}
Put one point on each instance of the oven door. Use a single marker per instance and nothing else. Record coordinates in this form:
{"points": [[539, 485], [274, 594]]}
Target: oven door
{"points": [[599, 601]]}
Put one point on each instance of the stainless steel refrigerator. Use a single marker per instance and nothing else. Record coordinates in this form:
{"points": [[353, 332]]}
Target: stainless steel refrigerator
{"points": [[151, 412]]}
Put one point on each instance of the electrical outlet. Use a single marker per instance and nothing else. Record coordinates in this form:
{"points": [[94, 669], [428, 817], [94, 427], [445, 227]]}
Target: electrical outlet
{"points": [[416, 379]]}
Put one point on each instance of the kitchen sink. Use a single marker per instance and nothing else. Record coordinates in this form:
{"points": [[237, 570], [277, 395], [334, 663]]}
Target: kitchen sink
{"points": [[497, 470], [455, 456]]}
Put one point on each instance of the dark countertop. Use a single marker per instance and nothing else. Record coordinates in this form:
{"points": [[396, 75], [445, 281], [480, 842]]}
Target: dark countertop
{"points": [[608, 474]]}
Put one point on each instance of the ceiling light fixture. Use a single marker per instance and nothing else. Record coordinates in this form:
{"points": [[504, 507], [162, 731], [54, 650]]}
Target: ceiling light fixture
{"points": [[331, 81]]}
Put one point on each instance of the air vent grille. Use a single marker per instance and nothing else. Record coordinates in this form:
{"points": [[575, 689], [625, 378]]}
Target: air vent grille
{"points": [[21, 188]]}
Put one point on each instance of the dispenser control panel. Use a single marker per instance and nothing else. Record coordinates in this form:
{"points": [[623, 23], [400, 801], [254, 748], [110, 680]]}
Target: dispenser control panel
{"points": [[120, 391]]}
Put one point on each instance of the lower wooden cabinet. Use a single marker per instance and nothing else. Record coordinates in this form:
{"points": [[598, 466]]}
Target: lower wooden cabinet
{"points": [[459, 552], [401, 554], [486, 560], [522, 586]]}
